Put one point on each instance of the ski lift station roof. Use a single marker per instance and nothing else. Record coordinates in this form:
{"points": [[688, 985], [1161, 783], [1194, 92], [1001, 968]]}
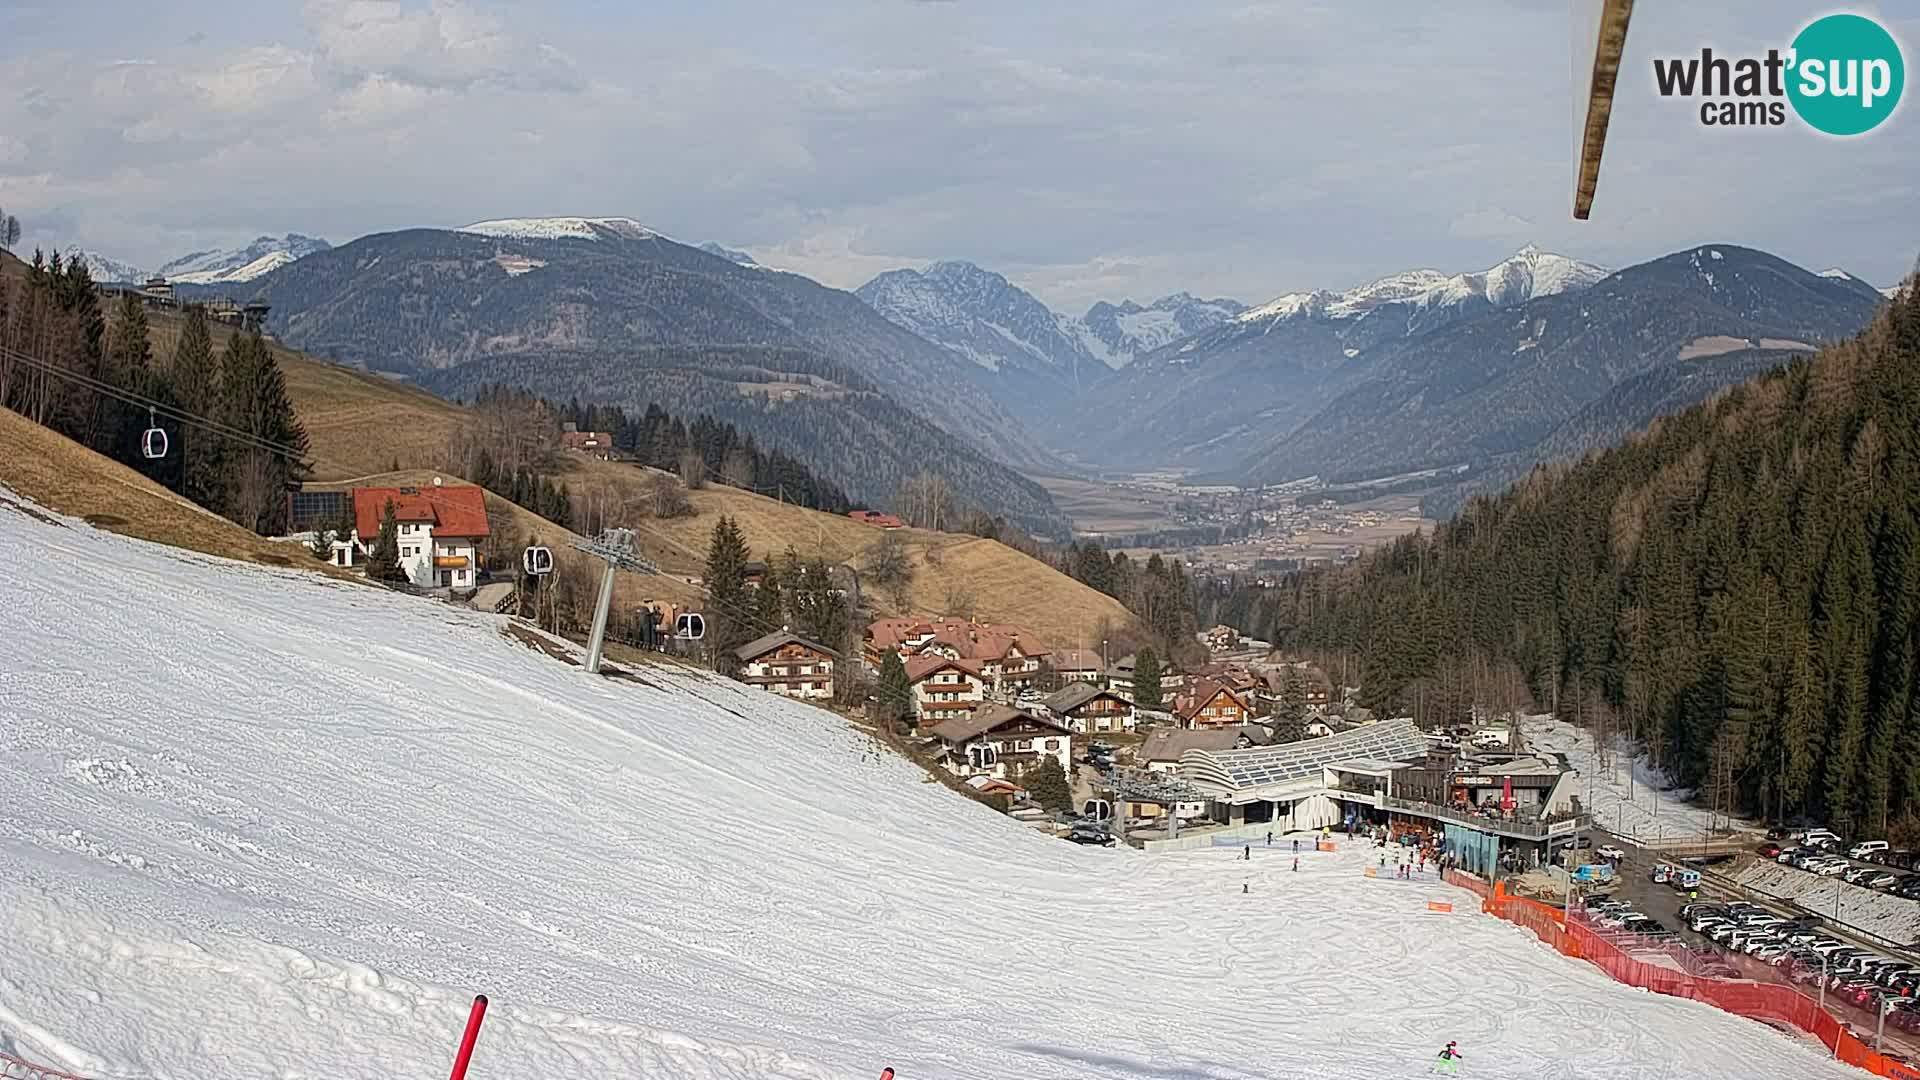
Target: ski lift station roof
{"points": [[1235, 772]]}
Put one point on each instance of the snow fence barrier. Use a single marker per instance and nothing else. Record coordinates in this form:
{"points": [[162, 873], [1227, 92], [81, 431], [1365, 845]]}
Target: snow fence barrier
{"points": [[1769, 1003]]}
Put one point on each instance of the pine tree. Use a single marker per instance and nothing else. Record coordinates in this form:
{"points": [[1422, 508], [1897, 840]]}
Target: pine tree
{"points": [[383, 560], [1047, 783], [264, 467], [729, 607], [895, 693], [1290, 718], [1146, 679], [126, 363], [769, 600]]}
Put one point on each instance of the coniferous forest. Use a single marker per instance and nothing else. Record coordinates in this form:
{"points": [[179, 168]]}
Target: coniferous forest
{"points": [[88, 373], [1737, 588]]}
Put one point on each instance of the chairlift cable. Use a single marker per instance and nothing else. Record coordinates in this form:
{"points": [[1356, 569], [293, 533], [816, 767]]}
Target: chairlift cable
{"points": [[171, 412]]}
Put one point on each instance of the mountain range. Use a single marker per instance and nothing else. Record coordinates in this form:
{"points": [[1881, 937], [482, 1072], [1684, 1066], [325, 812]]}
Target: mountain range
{"points": [[211, 267], [1501, 384], [952, 365], [1040, 360], [1204, 402], [611, 311]]}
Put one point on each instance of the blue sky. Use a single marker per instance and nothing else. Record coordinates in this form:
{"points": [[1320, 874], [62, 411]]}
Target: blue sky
{"points": [[1087, 149]]}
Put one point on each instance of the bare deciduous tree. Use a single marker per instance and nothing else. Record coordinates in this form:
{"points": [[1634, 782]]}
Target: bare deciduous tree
{"points": [[666, 498], [926, 501], [693, 470]]}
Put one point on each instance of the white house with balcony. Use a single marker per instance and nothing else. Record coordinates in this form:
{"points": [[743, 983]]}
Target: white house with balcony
{"points": [[437, 532], [1002, 742]]}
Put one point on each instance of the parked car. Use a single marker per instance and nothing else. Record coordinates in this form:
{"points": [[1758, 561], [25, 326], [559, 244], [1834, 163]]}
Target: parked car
{"points": [[1779, 832], [1816, 836], [1865, 848], [1610, 853], [1856, 874], [1770, 850], [1880, 879]]}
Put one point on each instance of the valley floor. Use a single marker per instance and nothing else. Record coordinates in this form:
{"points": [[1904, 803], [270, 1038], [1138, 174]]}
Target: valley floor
{"points": [[257, 822]]}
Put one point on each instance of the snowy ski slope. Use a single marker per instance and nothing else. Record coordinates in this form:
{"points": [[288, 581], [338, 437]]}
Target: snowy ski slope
{"points": [[256, 824]]}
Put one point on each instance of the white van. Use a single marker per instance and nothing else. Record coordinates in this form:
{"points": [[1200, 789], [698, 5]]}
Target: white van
{"points": [[1865, 848]]}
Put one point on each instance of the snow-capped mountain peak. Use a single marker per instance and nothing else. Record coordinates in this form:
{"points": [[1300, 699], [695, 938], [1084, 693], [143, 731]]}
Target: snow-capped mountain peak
{"points": [[562, 228], [263, 256], [1117, 333], [103, 269], [1522, 276]]}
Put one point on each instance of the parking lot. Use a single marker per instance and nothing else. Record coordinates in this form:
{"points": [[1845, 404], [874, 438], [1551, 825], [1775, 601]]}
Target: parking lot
{"points": [[1851, 994]]}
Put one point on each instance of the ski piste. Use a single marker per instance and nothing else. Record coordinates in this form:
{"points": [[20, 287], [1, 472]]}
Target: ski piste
{"points": [[285, 825]]}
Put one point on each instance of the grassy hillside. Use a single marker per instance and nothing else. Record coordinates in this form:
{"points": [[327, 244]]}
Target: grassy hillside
{"points": [[60, 474], [359, 424], [1004, 585]]}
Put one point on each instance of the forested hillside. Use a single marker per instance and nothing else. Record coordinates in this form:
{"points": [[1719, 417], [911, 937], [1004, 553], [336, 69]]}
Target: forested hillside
{"points": [[790, 400], [1738, 586]]}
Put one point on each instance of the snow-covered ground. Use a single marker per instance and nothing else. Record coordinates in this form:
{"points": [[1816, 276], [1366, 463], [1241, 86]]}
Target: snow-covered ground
{"points": [[255, 823], [1892, 917], [1628, 796]]}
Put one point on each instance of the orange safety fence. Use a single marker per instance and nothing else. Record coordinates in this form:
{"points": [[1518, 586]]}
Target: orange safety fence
{"points": [[1772, 1003], [1468, 882]]}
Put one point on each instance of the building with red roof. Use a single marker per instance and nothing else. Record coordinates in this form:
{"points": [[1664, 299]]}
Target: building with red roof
{"points": [[438, 530], [1009, 656], [876, 519], [944, 688]]}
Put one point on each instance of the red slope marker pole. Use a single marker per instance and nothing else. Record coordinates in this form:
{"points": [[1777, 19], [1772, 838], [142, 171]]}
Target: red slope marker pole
{"points": [[478, 1014]]}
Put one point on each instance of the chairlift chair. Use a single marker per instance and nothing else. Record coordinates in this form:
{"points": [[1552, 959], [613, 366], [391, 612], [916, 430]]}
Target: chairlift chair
{"points": [[153, 441], [537, 561], [690, 626]]}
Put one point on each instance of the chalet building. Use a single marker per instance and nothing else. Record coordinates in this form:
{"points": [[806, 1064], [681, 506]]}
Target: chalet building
{"points": [[876, 519], [1009, 656], [593, 444], [1088, 709], [1315, 688], [944, 689], [438, 531], [789, 665], [1079, 665], [1002, 742], [1211, 704], [1120, 678], [1221, 638]]}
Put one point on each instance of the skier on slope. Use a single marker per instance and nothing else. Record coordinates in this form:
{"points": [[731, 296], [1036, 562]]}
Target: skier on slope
{"points": [[1449, 1060]]}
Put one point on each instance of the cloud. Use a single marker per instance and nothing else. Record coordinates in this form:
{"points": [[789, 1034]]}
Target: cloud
{"points": [[1489, 223], [1260, 150], [445, 45]]}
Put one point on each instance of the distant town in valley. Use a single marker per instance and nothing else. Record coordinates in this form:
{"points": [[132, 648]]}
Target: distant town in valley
{"points": [[1229, 529]]}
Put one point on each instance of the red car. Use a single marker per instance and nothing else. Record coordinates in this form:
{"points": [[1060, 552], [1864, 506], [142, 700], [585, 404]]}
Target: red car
{"points": [[1770, 849]]}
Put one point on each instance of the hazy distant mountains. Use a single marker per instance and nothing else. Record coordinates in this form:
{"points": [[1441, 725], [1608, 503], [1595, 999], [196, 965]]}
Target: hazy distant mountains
{"points": [[212, 267], [1205, 401], [1041, 362], [607, 309], [954, 367], [1481, 390]]}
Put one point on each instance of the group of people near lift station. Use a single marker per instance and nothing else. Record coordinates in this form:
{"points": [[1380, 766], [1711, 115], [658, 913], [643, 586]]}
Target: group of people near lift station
{"points": [[1410, 849]]}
